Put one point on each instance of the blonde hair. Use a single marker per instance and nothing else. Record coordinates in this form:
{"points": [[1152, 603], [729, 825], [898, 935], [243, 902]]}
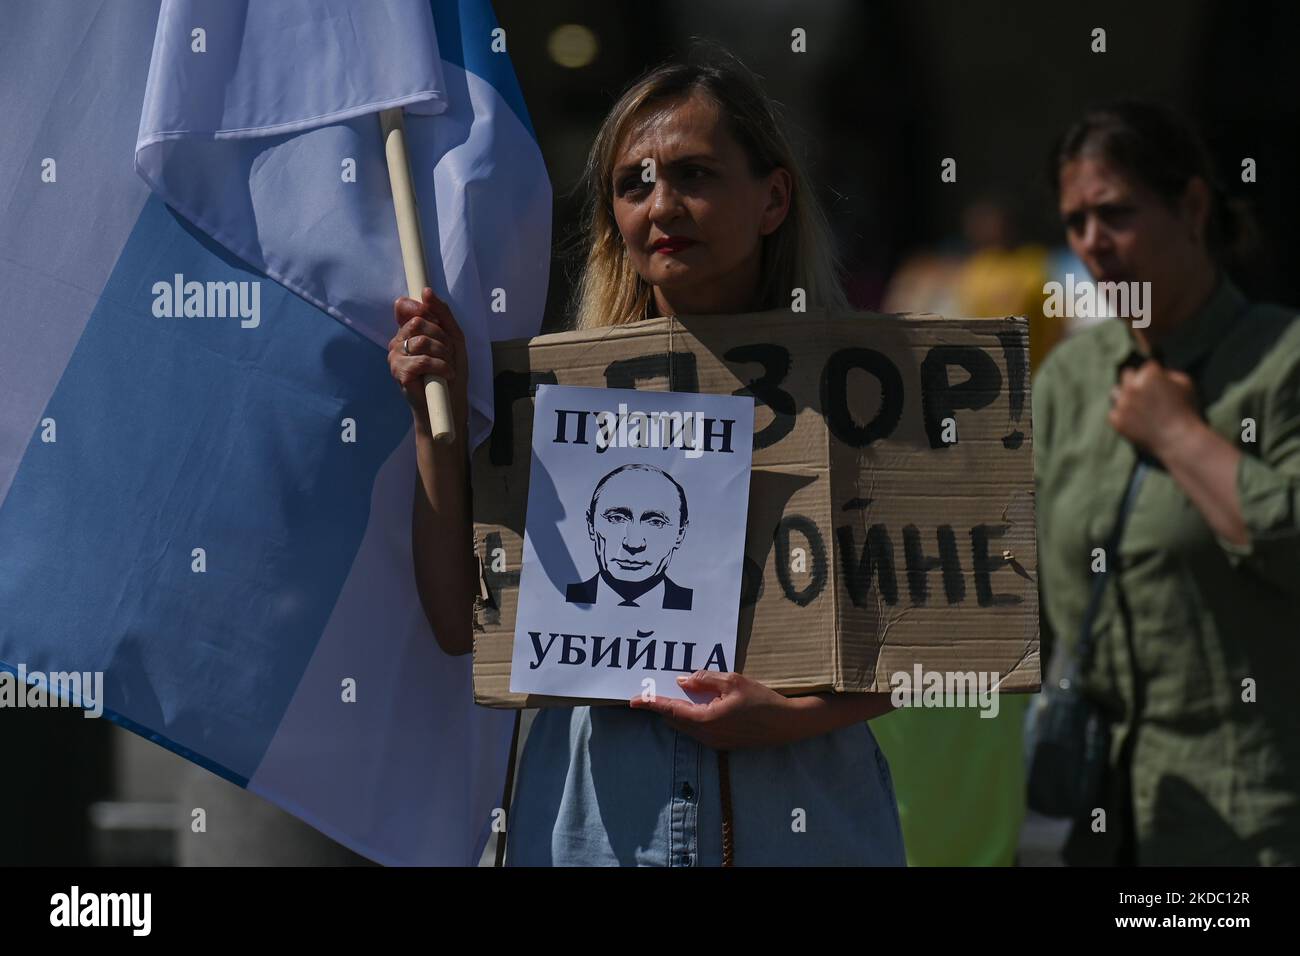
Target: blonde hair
{"points": [[798, 254]]}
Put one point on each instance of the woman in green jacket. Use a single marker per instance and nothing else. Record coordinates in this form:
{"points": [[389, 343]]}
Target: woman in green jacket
{"points": [[1197, 656]]}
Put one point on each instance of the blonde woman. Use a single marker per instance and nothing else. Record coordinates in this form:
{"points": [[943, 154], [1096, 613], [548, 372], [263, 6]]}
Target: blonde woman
{"points": [[728, 224]]}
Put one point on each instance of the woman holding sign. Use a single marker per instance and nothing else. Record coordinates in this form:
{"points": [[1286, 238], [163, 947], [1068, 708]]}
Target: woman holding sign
{"points": [[696, 204]]}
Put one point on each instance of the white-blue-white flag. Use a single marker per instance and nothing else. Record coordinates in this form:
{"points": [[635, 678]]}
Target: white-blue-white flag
{"points": [[206, 470]]}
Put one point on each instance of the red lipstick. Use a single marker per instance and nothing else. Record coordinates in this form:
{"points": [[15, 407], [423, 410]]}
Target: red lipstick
{"points": [[670, 244]]}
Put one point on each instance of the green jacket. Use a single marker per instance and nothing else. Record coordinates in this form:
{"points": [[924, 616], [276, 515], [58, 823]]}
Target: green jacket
{"points": [[1198, 650]]}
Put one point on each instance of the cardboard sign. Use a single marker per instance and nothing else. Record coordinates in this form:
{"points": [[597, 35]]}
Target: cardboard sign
{"points": [[890, 522], [634, 541]]}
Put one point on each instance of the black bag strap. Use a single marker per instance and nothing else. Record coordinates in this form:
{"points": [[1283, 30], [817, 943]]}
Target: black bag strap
{"points": [[1087, 633]]}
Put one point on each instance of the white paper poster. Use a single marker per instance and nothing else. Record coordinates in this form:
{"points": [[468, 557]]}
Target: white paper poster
{"points": [[634, 541]]}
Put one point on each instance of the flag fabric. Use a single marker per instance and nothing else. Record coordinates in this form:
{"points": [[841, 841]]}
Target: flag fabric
{"points": [[206, 470]]}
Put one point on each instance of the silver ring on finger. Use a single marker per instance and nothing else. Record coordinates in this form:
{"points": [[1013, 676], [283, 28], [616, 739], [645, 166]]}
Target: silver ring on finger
{"points": [[405, 350]]}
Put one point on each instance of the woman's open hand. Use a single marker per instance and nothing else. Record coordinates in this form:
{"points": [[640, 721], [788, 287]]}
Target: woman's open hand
{"points": [[434, 345], [744, 713]]}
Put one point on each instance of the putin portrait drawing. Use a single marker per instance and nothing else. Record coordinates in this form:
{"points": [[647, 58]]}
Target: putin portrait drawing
{"points": [[636, 522]]}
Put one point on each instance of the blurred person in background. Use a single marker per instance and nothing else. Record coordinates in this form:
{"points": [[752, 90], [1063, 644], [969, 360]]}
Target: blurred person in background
{"points": [[1196, 663], [990, 273]]}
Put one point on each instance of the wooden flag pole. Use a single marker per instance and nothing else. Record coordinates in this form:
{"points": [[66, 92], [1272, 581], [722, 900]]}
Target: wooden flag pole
{"points": [[441, 423]]}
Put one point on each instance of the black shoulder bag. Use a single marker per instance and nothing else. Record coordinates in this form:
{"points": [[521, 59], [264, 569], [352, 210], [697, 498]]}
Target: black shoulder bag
{"points": [[1067, 740]]}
